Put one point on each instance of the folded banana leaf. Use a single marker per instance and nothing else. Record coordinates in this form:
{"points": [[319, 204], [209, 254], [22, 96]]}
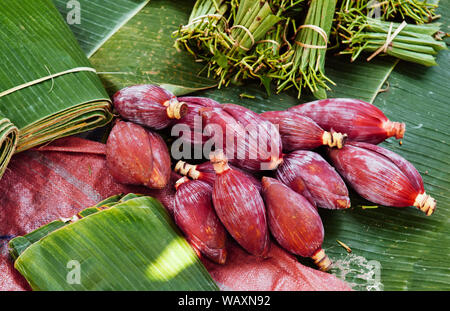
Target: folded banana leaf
{"points": [[48, 88], [123, 243]]}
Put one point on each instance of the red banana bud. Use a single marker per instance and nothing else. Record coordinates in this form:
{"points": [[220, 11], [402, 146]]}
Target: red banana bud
{"points": [[205, 172], [149, 105], [382, 176], [240, 207], [308, 174], [263, 143], [194, 105], [301, 133], [195, 216], [137, 156], [361, 121], [294, 222], [249, 141], [223, 130]]}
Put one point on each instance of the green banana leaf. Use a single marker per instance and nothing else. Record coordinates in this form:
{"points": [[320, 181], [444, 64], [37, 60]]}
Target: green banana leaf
{"points": [[35, 42], [99, 21], [392, 248], [130, 245]]}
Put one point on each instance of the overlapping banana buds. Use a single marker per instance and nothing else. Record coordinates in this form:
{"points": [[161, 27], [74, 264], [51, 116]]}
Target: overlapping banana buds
{"points": [[249, 141], [308, 174], [149, 105], [195, 216], [360, 120], [137, 156], [192, 120], [294, 222], [382, 176], [223, 195], [240, 207], [205, 172], [299, 132]]}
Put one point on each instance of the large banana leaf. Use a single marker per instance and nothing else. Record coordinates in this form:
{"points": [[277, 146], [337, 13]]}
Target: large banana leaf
{"points": [[100, 19], [127, 243], [392, 248], [35, 42]]}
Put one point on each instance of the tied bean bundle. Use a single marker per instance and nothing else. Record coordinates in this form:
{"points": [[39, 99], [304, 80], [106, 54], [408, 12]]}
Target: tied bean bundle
{"points": [[418, 11], [222, 39], [306, 64], [242, 39], [413, 43]]}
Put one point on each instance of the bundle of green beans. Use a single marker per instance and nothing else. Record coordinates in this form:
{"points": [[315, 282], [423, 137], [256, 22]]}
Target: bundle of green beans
{"points": [[271, 54], [306, 63], [251, 23], [205, 30], [417, 11], [273, 51], [239, 39], [414, 43]]}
